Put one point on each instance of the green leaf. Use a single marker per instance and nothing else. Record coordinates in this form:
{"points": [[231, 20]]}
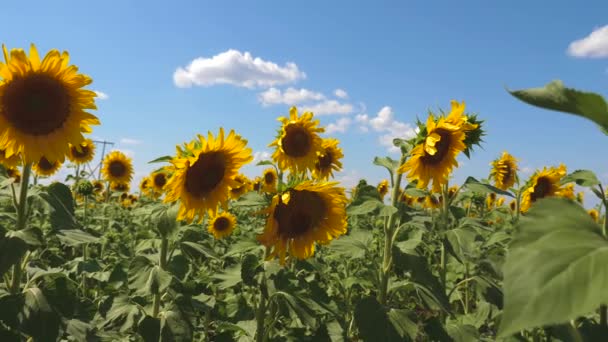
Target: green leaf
{"points": [[229, 277], [365, 208], [122, 315], [554, 96], [264, 162], [352, 246], [79, 330], [59, 198], [581, 177], [163, 159], [297, 308], [462, 241], [390, 164], [250, 266], [149, 328], [76, 237], [413, 241], [174, 327], [462, 332], [387, 211], [484, 188], [415, 192], [196, 250], [12, 249], [402, 323], [147, 278], [37, 318], [557, 252], [373, 322]]}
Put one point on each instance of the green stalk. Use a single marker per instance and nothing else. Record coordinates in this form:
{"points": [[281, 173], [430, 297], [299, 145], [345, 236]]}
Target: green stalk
{"points": [[21, 221], [163, 264], [387, 258], [260, 314], [604, 307]]}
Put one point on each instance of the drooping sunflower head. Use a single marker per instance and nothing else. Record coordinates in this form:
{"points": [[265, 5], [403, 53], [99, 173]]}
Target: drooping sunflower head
{"points": [[243, 187], [222, 225], [82, 153], [145, 185], [382, 188], [595, 215], [158, 181], [513, 205], [120, 187], [202, 179], [504, 171], [98, 186], [491, 200], [269, 180], [543, 184], [306, 214], [46, 168], [434, 158], [298, 142], [328, 160], [117, 168], [13, 172], [43, 105]]}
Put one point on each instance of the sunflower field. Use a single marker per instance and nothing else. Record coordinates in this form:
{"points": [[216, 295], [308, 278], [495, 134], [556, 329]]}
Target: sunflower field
{"points": [[200, 252]]}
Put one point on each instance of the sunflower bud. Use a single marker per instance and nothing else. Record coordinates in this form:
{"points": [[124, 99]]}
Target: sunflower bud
{"points": [[473, 136], [84, 188]]}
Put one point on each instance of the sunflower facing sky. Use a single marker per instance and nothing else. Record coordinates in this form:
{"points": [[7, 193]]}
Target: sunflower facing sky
{"points": [[43, 105], [46, 168], [203, 175], [307, 214], [298, 142], [328, 160], [82, 153], [221, 225], [543, 184], [434, 158], [117, 168], [504, 171]]}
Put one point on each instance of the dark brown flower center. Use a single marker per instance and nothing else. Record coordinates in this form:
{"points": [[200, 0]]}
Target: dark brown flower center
{"points": [[221, 224], [117, 168], [206, 173], [84, 151], [45, 164], [269, 178], [303, 213], [36, 105], [442, 146], [160, 179], [98, 186], [296, 142], [541, 189], [325, 161]]}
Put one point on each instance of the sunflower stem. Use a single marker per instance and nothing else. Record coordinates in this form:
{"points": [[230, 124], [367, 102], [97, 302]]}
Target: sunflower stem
{"points": [[387, 259], [21, 221], [164, 246]]}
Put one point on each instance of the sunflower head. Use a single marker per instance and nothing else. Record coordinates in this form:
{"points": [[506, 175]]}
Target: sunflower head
{"points": [[595, 215], [120, 187], [14, 160], [269, 180], [243, 187], [504, 171], [46, 168], [43, 106], [98, 186], [328, 160], [117, 168], [298, 142], [580, 197], [432, 201], [500, 202], [145, 185], [568, 191], [382, 188], [202, 176], [513, 205], [306, 214], [257, 184], [491, 200], [221, 225], [542, 184], [82, 153], [13, 172], [158, 181]]}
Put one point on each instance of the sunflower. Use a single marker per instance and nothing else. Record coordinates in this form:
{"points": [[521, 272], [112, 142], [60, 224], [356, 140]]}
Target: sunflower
{"points": [[504, 171], [145, 185], [544, 183], [307, 213], [13, 160], [82, 153], [298, 143], [580, 197], [158, 181], [491, 200], [500, 202], [269, 180], [13, 172], [328, 160], [452, 191], [98, 186], [243, 187], [568, 192], [257, 184], [595, 215], [46, 168], [432, 201], [222, 225], [513, 205], [434, 158], [382, 188], [202, 179], [120, 187], [42, 105], [117, 168]]}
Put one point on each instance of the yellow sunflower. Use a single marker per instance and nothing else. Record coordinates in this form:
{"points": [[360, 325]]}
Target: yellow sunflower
{"points": [[120, 187], [580, 197], [98, 186], [491, 200], [434, 158], [145, 185], [328, 160], [82, 153], [269, 180], [243, 187], [117, 168], [46, 168], [42, 105], [308, 213], [595, 215], [257, 184], [433, 202], [513, 205], [13, 172], [382, 188], [544, 183], [500, 202], [158, 181], [504, 171], [221, 225], [452, 191], [13, 160], [298, 142], [202, 179], [568, 192]]}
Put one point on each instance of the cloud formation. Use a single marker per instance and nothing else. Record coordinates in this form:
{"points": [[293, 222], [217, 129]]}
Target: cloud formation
{"points": [[595, 45], [384, 122], [101, 95], [289, 96]]}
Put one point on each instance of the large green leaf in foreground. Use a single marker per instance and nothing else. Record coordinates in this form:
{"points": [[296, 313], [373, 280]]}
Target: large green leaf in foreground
{"points": [[555, 96], [556, 268]]}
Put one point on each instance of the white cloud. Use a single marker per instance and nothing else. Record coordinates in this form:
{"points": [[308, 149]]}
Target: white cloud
{"points": [[259, 156], [130, 141], [329, 107], [339, 126], [238, 69], [101, 95], [526, 170], [595, 45], [349, 179], [341, 93], [385, 122], [129, 153], [289, 96]]}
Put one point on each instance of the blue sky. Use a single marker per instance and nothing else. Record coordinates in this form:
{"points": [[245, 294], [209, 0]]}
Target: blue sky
{"points": [[393, 60]]}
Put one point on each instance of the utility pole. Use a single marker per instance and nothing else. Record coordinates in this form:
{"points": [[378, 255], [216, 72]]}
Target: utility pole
{"points": [[103, 153]]}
